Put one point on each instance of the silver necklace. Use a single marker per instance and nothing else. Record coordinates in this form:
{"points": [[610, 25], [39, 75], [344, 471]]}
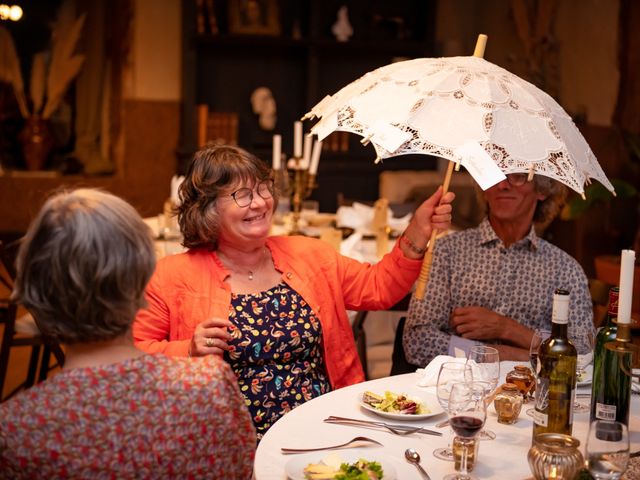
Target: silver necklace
{"points": [[255, 269]]}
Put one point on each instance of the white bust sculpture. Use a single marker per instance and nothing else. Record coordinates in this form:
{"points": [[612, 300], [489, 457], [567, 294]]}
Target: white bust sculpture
{"points": [[342, 28], [264, 105]]}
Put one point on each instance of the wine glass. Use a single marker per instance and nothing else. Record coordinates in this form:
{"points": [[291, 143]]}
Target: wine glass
{"points": [[539, 336], [485, 366], [607, 449], [584, 344], [450, 373], [467, 410]]}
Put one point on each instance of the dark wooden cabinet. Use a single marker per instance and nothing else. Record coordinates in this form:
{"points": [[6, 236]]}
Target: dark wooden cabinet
{"points": [[300, 65]]}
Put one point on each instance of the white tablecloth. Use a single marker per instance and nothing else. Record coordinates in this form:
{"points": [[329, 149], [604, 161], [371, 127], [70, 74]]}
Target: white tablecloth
{"points": [[502, 458]]}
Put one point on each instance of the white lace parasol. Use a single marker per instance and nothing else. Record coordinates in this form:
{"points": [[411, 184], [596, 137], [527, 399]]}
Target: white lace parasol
{"points": [[435, 105]]}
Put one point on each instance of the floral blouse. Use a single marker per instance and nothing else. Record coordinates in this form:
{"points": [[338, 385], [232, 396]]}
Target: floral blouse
{"points": [[276, 353], [148, 417]]}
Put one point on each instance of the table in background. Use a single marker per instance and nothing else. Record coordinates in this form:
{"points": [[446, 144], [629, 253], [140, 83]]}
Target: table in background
{"points": [[505, 457]]}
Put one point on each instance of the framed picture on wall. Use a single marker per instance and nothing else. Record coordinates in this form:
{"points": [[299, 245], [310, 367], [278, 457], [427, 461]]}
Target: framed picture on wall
{"points": [[254, 17]]}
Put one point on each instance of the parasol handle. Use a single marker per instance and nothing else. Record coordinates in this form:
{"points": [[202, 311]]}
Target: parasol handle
{"points": [[421, 285], [481, 43], [428, 258]]}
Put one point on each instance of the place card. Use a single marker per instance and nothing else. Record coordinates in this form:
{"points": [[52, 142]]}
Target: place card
{"points": [[479, 164], [388, 136]]}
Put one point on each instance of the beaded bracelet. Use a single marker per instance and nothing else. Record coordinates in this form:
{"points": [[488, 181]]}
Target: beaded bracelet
{"points": [[412, 246]]}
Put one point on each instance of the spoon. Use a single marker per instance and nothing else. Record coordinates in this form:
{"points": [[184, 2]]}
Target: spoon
{"points": [[414, 457]]}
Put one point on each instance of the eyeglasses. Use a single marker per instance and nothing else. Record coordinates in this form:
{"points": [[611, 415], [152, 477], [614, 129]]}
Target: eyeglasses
{"points": [[244, 196], [517, 179]]}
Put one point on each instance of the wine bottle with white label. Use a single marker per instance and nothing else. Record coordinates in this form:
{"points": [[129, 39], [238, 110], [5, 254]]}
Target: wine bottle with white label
{"points": [[556, 374]]}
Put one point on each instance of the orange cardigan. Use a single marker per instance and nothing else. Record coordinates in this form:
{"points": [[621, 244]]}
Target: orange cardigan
{"points": [[189, 288]]}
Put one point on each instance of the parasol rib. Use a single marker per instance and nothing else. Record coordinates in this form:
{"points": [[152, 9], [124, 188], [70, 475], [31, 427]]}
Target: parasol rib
{"points": [[421, 284]]}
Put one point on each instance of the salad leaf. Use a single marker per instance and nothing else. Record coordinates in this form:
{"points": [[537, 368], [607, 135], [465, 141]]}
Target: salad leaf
{"points": [[360, 470]]}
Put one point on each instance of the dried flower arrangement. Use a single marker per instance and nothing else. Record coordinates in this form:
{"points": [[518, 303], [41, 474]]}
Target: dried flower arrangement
{"points": [[46, 89]]}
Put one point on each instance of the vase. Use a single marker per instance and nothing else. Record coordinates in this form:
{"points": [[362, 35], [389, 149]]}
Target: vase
{"points": [[37, 142]]}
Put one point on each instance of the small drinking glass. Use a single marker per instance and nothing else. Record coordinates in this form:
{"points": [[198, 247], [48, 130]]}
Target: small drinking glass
{"points": [[450, 373], [607, 449], [467, 412], [485, 366]]}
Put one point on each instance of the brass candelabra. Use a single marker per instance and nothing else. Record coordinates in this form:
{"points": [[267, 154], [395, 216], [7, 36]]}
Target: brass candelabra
{"points": [[624, 349], [297, 183]]}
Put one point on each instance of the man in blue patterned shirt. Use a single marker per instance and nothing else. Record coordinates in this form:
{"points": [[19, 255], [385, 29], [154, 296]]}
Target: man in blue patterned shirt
{"points": [[494, 284]]}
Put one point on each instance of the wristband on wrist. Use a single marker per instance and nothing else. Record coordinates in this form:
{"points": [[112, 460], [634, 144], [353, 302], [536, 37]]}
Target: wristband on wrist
{"points": [[412, 246]]}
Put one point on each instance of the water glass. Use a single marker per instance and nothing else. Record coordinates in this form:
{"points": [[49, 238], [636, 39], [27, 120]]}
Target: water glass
{"points": [[450, 373], [607, 449], [485, 366]]}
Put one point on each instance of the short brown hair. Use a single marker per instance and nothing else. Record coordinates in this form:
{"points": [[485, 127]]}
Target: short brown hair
{"points": [[212, 171], [83, 266]]}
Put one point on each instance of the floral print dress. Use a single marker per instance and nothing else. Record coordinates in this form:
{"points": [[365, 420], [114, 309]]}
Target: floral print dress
{"points": [[276, 353]]}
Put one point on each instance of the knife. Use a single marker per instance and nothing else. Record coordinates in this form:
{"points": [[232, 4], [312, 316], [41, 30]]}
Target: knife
{"points": [[334, 419]]}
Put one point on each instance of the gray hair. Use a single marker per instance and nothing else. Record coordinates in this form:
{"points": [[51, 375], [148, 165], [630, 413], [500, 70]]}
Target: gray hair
{"points": [[547, 209], [83, 266]]}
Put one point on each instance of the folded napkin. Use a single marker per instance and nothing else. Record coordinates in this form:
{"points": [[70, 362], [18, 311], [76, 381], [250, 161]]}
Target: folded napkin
{"points": [[429, 374], [360, 217], [348, 247]]}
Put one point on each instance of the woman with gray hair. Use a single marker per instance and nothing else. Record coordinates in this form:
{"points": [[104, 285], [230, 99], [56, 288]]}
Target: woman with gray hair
{"points": [[113, 411], [274, 306]]}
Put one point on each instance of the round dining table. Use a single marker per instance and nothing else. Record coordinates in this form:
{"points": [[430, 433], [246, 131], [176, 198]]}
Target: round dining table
{"points": [[505, 457]]}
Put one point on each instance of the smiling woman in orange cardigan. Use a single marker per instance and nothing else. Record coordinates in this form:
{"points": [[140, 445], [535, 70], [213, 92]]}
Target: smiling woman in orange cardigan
{"points": [[274, 307]]}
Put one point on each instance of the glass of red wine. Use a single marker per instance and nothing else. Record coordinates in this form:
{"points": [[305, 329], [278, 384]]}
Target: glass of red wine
{"points": [[467, 412], [450, 373]]}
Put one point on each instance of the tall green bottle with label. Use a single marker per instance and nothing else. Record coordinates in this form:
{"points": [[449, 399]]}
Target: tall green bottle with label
{"points": [[556, 379], [611, 388]]}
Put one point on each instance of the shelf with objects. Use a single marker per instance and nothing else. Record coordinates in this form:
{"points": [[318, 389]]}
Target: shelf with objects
{"points": [[291, 58]]}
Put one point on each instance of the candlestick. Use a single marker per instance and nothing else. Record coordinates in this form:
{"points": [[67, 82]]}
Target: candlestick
{"points": [[277, 152], [306, 157], [627, 264], [297, 139], [315, 157]]}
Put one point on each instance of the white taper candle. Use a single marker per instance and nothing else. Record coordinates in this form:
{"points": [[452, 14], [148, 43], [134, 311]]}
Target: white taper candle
{"points": [[297, 139], [315, 157], [306, 157], [277, 152], [627, 265]]}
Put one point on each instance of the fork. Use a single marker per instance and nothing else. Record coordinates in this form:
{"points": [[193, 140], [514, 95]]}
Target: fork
{"points": [[342, 445], [395, 429]]}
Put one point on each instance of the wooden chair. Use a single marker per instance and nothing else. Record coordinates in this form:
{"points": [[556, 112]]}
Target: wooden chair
{"points": [[21, 331], [399, 363], [360, 336]]}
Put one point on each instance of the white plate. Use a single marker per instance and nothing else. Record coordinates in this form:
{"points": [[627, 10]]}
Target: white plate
{"points": [[429, 401], [587, 377], [294, 468]]}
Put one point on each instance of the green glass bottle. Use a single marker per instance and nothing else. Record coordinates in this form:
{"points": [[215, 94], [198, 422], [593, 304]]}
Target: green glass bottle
{"points": [[610, 388], [556, 379]]}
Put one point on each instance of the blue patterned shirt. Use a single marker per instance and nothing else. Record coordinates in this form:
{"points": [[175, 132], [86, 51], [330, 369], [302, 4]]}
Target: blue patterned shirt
{"points": [[474, 268]]}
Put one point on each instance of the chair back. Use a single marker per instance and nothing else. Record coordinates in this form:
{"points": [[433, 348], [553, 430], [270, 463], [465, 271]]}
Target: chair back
{"points": [[399, 363]]}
